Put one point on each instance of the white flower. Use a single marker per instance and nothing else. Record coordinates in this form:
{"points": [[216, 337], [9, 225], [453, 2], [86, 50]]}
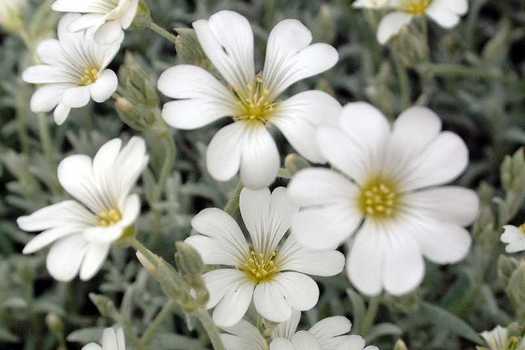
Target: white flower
{"points": [[106, 20], [251, 99], [498, 339], [328, 334], [269, 269], [445, 12], [82, 230], [389, 194], [112, 339], [514, 237], [73, 72], [11, 13]]}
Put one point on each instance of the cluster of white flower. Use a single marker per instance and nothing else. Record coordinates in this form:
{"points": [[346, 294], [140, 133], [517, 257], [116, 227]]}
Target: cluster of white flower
{"points": [[328, 334], [384, 195]]}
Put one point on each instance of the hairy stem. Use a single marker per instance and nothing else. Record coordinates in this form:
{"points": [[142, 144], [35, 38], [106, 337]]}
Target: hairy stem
{"points": [[153, 329], [370, 316], [213, 332], [162, 32]]}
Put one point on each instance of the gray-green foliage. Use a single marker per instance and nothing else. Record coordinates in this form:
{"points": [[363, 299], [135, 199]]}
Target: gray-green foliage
{"points": [[471, 76]]}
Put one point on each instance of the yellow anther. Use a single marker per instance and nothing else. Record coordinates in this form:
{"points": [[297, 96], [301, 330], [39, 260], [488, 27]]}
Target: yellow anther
{"points": [[90, 76], [415, 7], [109, 217], [260, 267], [379, 198], [255, 104]]}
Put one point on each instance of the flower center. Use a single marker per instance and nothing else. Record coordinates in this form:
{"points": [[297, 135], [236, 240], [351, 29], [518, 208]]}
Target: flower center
{"points": [[90, 76], [255, 104], [416, 7], [522, 228], [379, 199], [261, 267], [109, 218]]}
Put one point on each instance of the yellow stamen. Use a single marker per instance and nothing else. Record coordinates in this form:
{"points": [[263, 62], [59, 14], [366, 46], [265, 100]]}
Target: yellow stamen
{"points": [[379, 199], [261, 267], [255, 103], [90, 76], [109, 218], [416, 7]]}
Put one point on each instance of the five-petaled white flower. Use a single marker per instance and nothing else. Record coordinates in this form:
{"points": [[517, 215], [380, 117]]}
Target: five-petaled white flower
{"points": [[106, 20], [499, 339], [112, 339], [269, 269], [73, 72], [387, 192], [82, 231], [445, 12], [328, 334], [251, 99], [514, 237]]}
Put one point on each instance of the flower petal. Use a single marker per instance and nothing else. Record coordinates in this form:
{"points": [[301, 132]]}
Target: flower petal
{"points": [[68, 212], [202, 99], [104, 87], [444, 16], [305, 341], [313, 262], [270, 302], [219, 282], [227, 40], [230, 310], [299, 116], [213, 252], [243, 336], [75, 174], [319, 186], [46, 98], [403, 268], [266, 216], [223, 157], [76, 97], [300, 291], [290, 57], [442, 161], [260, 160], [217, 224], [65, 256], [445, 204], [439, 241], [514, 238], [391, 25], [44, 74], [281, 344], [94, 259], [108, 33], [49, 236], [86, 21], [50, 52], [328, 329], [366, 259], [131, 162], [61, 113]]}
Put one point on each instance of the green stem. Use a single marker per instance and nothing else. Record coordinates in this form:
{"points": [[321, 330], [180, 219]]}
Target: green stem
{"points": [[162, 32], [213, 332], [202, 315], [47, 145], [404, 84], [370, 316], [153, 329], [456, 70], [167, 166]]}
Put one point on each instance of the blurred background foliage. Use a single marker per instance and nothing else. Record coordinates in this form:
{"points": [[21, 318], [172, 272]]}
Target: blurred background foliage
{"points": [[472, 76]]}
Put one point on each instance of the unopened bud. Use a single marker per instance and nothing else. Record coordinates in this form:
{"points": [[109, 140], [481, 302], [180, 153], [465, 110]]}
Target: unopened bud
{"points": [[146, 263], [189, 49], [105, 305], [188, 258]]}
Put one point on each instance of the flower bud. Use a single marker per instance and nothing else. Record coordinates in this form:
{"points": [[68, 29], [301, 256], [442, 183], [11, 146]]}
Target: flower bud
{"points": [[189, 49], [188, 259], [138, 103]]}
